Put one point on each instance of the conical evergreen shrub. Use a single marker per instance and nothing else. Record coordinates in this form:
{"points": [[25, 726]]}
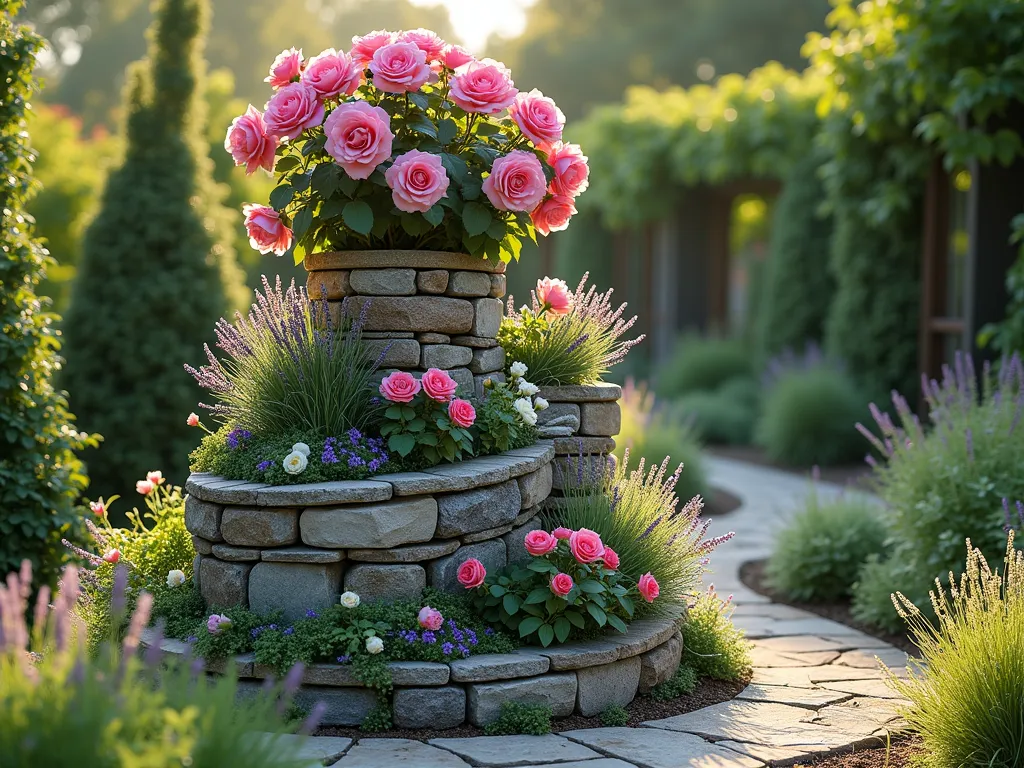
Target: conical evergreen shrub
{"points": [[40, 477], [157, 266]]}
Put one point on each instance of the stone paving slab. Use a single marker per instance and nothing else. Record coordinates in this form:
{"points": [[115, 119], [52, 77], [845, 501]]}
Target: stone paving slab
{"points": [[398, 753], [604, 762], [323, 749], [651, 748], [509, 751], [811, 698]]}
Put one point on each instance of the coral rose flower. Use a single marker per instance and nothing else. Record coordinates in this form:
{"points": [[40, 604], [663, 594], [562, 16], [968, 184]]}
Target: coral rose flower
{"points": [[561, 584], [417, 181], [554, 296], [359, 137], [572, 174], [97, 508], [144, 487], [426, 40], [553, 214], [610, 558], [454, 56], [438, 385], [400, 387], [112, 556], [399, 68], [293, 109], [586, 545], [648, 587], [516, 182], [248, 142], [156, 477], [331, 74], [539, 543], [430, 618], [538, 118], [483, 86], [286, 67], [266, 230], [192, 420], [364, 47], [562, 533], [471, 573], [462, 413]]}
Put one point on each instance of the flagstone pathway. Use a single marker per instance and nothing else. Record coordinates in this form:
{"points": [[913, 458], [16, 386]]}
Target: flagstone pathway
{"points": [[816, 685]]}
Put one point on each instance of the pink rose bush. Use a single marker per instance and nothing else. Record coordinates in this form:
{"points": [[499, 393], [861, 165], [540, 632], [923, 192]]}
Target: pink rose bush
{"points": [[400, 136], [425, 416], [400, 387], [554, 296], [462, 413], [267, 233], [471, 573]]}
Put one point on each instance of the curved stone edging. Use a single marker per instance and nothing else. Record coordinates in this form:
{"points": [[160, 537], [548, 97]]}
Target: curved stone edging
{"points": [[384, 259]]}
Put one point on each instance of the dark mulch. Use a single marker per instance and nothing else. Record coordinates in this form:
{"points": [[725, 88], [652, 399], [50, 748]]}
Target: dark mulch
{"points": [[856, 475], [899, 753], [720, 502], [752, 575], [643, 708]]}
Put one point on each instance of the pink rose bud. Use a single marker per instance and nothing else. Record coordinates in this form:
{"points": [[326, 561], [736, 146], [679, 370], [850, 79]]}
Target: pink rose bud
{"points": [[359, 137], [98, 508], [331, 74], [156, 477], [424, 39], [571, 170], [286, 67], [417, 181], [516, 182], [471, 573], [586, 546], [267, 233], [553, 214], [438, 385], [292, 110], [192, 420], [399, 387], [554, 296], [430, 618], [399, 68], [112, 556], [648, 587], [561, 584], [610, 558], [364, 47], [483, 86], [561, 533], [248, 142], [539, 543], [144, 487], [537, 116], [454, 56], [462, 413]]}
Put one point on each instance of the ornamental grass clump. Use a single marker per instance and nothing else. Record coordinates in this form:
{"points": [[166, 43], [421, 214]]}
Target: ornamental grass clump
{"points": [[566, 338], [966, 692]]}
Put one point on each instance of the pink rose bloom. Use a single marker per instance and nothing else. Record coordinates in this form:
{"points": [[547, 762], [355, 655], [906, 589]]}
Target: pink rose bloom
{"points": [[286, 67], [424, 39], [359, 137], [417, 180], [471, 573], [540, 543], [483, 86], [364, 47], [610, 558], [516, 182], [538, 118], [462, 413], [553, 214], [399, 68], [192, 420], [571, 169], [561, 584], [217, 623], [144, 487], [292, 110], [248, 142], [648, 587], [430, 618], [156, 477], [400, 387], [112, 556], [561, 533], [586, 545], [331, 73], [97, 508], [266, 230], [454, 56], [438, 385], [554, 296]]}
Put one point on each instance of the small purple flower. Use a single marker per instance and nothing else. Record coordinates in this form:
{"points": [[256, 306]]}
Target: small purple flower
{"points": [[237, 436], [345, 659], [311, 614], [471, 635], [457, 635], [289, 631], [488, 631], [263, 466], [354, 436], [191, 639], [463, 650], [447, 649], [328, 456], [374, 465], [356, 461], [429, 637]]}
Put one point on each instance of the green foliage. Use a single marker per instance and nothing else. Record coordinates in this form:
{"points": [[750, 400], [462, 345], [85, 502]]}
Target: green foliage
{"points": [[515, 718], [966, 693], [872, 592], [1007, 336], [703, 365], [683, 682], [157, 268], [40, 476], [182, 608], [819, 553], [499, 426], [725, 416], [423, 429], [712, 646], [378, 720], [808, 418], [615, 717]]}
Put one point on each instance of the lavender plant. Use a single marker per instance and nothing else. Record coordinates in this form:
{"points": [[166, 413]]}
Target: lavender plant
{"points": [[566, 338]]}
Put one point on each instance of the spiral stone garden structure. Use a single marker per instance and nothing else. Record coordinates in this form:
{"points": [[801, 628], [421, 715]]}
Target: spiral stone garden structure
{"points": [[292, 548]]}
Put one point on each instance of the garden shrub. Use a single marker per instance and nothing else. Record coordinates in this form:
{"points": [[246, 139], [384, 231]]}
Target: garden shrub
{"points": [[819, 553], [515, 718], [615, 717], [40, 476], [725, 416], [808, 418], [683, 682], [702, 364], [872, 592], [157, 267], [712, 645]]}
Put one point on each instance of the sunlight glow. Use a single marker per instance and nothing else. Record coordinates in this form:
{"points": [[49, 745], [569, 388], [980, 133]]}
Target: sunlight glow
{"points": [[475, 20]]}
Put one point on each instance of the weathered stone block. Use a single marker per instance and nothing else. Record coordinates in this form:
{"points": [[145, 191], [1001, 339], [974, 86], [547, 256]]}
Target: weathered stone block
{"points": [[203, 518], [515, 546], [442, 573], [383, 282], [575, 445], [316, 494], [535, 487], [582, 393], [201, 545], [437, 314], [444, 356], [260, 526], [433, 338], [388, 335], [412, 554], [344, 706], [402, 258], [464, 378], [386, 583], [400, 353], [580, 654], [490, 533], [659, 665], [477, 510], [487, 360], [477, 342], [469, 284], [293, 588], [235, 554], [498, 377], [609, 685], [429, 707], [224, 584], [197, 567], [484, 700], [600, 419], [332, 285], [484, 667], [486, 318], [370, 526], [302, 554], [498, 284], [432, 281], [528, 514]]}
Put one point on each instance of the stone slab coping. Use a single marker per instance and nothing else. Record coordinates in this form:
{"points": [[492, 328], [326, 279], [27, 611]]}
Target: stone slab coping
{"points": [[529, 661], [602, 392], [399, 258], [461, 476]]}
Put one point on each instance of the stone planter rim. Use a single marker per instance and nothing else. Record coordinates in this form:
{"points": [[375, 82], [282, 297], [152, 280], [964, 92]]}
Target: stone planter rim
{"points": [[408, 258]]}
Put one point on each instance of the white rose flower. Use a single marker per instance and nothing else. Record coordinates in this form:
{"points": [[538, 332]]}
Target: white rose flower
{"points": [[528, 389], [540, 403], [525, 408], [374, 644], [294, 463], [349, 600], [301, 448], [518, 369], [175, 578]]}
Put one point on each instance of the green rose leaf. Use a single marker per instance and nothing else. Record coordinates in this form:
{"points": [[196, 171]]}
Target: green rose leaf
{"points": [[562, 627], [281, 196], [402, 444], [616, 622], [530, 625], [435, 215], [303, 219], [477, 218], [456, 167], [546, 634], [590, 586], [597, 613], [447, 130], [286, 163], [420, 100], [422, 124], [537, 595], [511, 603], [358, 217]]}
